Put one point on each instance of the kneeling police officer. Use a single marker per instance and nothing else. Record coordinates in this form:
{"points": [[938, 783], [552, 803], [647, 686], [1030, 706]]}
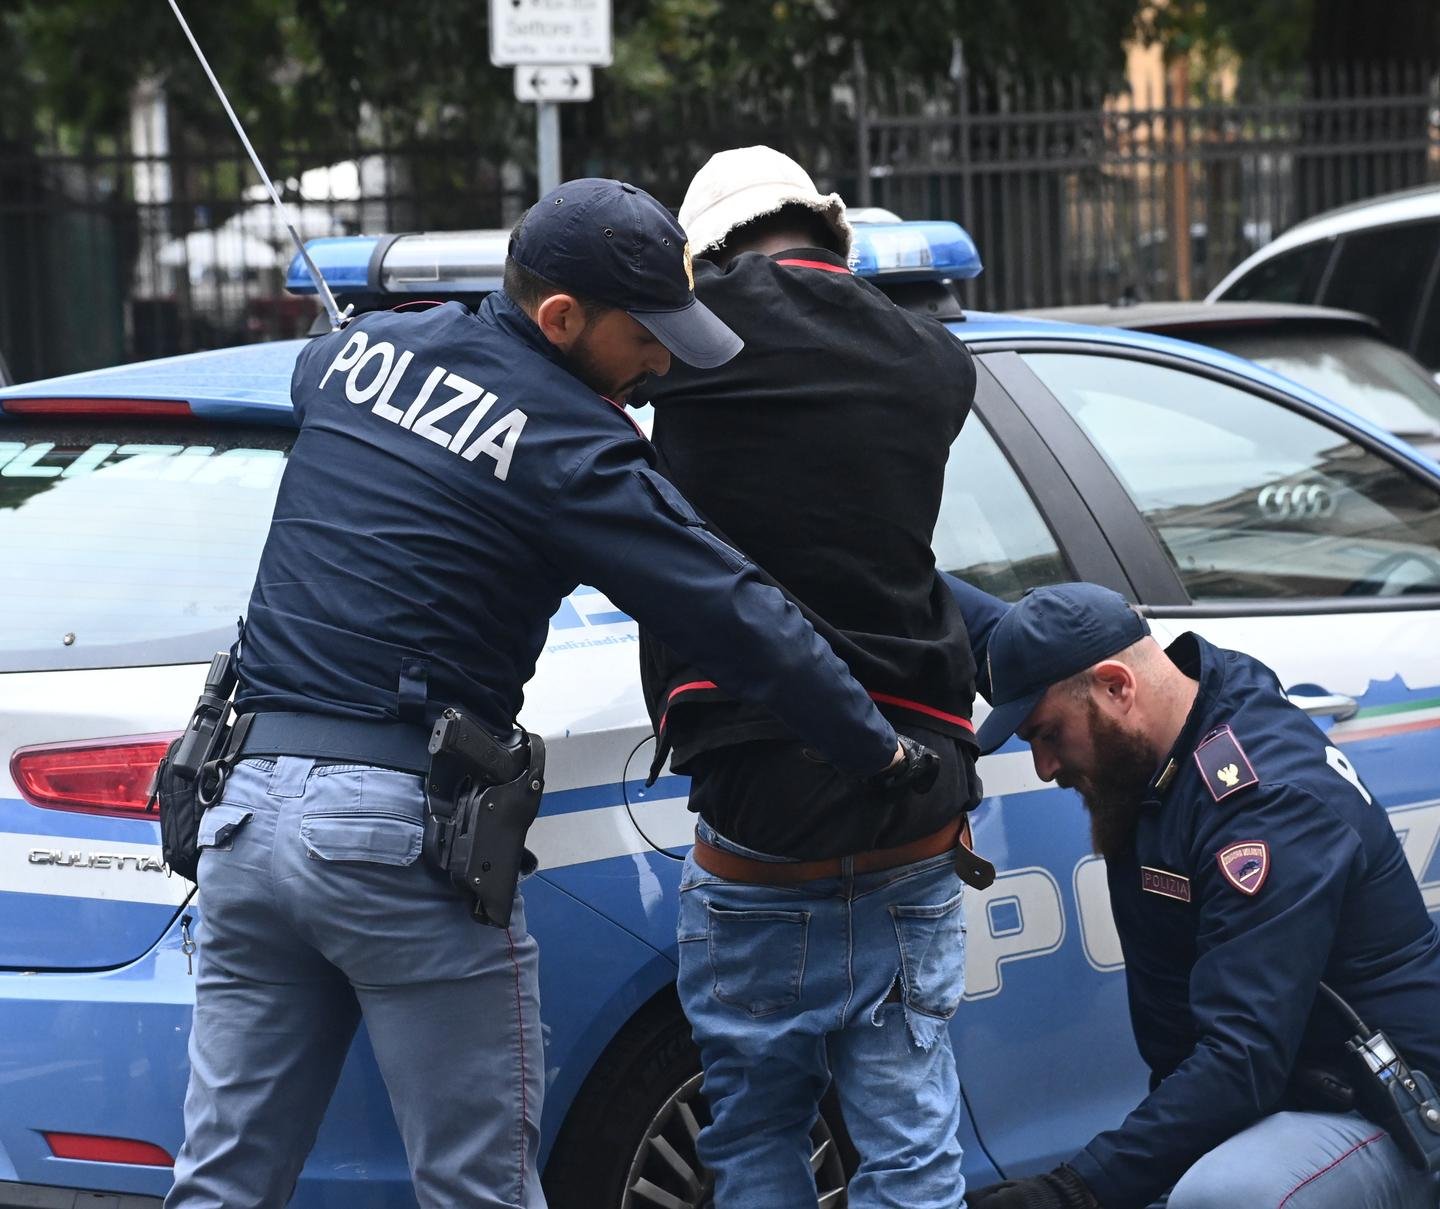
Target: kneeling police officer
{"points": [[1283, 973], [455, 476]]}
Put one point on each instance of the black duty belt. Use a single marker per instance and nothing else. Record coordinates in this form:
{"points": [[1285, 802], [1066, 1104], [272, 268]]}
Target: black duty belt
{"points": [[400, 745]]}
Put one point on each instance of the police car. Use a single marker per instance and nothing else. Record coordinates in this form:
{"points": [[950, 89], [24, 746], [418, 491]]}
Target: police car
{"points": [[133, 505]]}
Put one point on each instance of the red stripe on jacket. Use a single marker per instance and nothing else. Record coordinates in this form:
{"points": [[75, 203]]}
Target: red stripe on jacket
{"points": [[881, 698], [814, 264]]}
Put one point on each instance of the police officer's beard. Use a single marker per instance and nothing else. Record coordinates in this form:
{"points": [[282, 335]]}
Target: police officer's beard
{"points": [[1114, 791], [582, 363]]}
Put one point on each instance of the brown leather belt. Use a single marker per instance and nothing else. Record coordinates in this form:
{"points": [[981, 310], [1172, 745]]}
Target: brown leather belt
{"points": [[973, 869]]}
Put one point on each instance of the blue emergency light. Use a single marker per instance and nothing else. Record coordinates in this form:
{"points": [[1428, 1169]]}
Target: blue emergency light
{"points": [[914, 251], [473, 262]]}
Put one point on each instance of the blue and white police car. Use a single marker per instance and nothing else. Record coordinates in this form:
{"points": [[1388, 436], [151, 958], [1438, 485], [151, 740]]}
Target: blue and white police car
{"points": [[133, 505]]}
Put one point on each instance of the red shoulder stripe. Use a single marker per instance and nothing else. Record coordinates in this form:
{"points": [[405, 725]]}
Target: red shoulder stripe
{"points": [[813, 264]]}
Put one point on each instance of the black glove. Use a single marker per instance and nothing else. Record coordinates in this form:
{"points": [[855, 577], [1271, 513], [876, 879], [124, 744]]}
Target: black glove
{"points": [[915, 773], [1058, 1189]]}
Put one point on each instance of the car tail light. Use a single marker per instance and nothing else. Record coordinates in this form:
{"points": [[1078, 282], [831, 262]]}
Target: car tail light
{"points": [[108, 776], [93, 1148], [95, 407]]}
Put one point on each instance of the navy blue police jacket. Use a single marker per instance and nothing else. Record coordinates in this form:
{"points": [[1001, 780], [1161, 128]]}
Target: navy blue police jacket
{"points": [[1261, 866], [452, 482]]}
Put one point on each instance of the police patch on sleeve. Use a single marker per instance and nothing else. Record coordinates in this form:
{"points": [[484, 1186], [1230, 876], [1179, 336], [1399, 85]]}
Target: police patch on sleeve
{"points": [[1223, 765], [1162, 881], [1245, 865]]}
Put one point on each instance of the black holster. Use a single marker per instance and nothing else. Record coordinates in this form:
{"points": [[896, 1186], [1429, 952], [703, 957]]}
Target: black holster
{"points": [[192, 773], [481, 795]]}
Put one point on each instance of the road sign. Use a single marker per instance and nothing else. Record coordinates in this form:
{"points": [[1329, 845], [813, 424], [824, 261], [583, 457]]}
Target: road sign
{"points": [[550, 31], [551, 83]]}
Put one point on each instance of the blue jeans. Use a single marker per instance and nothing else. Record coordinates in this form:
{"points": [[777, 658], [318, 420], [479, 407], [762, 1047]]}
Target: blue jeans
{"points": [[1306, 1160], [786, 986], [315, 910]]}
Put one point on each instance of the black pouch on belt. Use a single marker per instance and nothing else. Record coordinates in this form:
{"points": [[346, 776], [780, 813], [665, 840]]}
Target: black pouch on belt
{"points": [[481, 795], [192, 773]]}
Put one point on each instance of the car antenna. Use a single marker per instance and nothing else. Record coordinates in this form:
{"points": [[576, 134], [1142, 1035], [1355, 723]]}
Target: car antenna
{"points": [[338, 319]]}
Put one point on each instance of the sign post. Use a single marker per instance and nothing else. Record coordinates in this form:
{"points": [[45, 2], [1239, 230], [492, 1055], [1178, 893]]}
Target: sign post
{"points": [[567, 37]]}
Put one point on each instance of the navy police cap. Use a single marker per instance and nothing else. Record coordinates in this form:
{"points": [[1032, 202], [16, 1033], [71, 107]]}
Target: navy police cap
{"points": [[614, 244], [1051, 634]]}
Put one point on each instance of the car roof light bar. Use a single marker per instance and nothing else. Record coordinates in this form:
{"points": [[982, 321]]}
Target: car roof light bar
{"points": [[917, 251], [417, 265], [473, 262]]}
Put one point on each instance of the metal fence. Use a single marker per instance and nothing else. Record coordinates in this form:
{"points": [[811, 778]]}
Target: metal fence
{"points": [[1076, 191], [1076, 194], [122, 252]]}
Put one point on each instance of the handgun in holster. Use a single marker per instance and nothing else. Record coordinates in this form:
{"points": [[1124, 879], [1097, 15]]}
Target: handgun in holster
{"points": [[481, 796]]}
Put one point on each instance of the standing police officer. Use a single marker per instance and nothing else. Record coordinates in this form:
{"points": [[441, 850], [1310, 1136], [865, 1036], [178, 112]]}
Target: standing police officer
{"points": [[455, 475], [1247, 864]]}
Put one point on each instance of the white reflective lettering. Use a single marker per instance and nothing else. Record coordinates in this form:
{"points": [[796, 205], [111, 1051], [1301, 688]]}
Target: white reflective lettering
{"points": [[512, 426], [90, 459], [423, 397], [1027, 921], [383, 354], [185, 464], [1341, 764], [465, 392], [421, 415], [24, 466], [382, 406], [349, 354], [142, 461], [472, 421]]}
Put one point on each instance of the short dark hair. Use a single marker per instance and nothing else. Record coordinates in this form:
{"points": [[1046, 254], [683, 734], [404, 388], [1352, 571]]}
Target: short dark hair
{"points": [[528, 290], [789, 217]]}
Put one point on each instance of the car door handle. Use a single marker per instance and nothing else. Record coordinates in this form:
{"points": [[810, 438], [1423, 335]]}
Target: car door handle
{"points": [[1325, 705]]}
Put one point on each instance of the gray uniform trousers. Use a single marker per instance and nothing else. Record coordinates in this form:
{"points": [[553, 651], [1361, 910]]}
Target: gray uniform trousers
{"points": [[316, 909]]}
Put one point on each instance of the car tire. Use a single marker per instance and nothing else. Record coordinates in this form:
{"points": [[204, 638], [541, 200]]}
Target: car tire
{"points": [[628, 1141]]}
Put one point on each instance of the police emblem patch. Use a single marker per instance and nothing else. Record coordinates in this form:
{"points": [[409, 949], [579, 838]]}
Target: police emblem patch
{"points": [[689, 267], [1162, 881], [1223, 765], [1245, 865]]}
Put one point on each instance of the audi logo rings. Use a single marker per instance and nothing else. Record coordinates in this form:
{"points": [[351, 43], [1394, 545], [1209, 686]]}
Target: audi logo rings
{"points": [[1295, 501]]}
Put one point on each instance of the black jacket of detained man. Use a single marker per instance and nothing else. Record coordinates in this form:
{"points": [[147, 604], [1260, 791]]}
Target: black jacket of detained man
{"points": [[820, 451]]}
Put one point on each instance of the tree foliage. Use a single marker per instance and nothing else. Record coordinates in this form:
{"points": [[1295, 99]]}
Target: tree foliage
{"points": [[294, 66], [290, 65], [1291, 34]]}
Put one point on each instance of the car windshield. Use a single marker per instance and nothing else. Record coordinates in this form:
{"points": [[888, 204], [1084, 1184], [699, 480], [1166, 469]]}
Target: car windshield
{"points": [[128, 542], [1383, 384]]}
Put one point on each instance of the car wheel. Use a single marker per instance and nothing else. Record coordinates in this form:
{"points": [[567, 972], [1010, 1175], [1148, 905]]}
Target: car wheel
{"points": [[628, 1141]]}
